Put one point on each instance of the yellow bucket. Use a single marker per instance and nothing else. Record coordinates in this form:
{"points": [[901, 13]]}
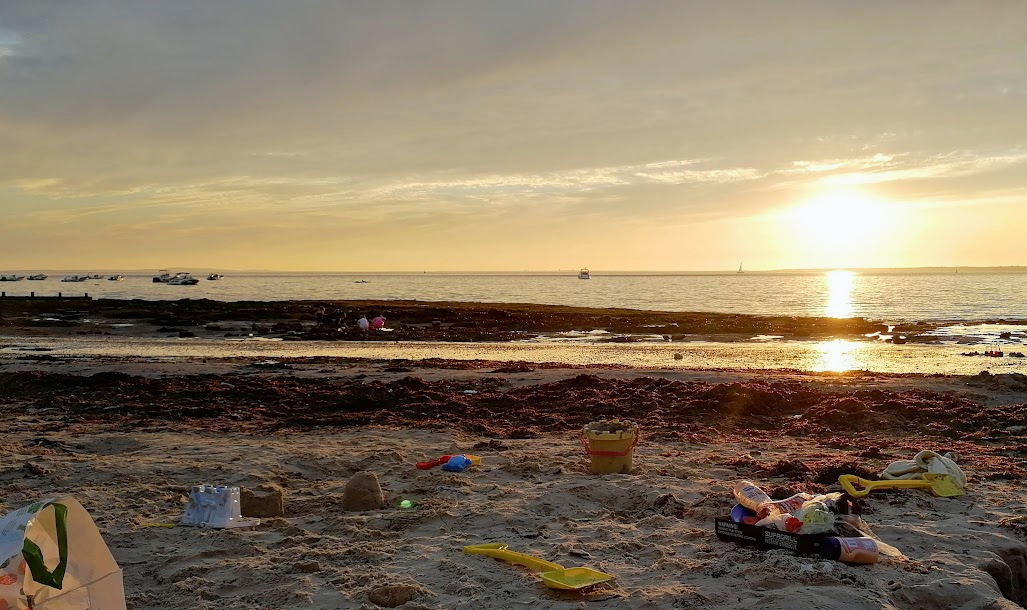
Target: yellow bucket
{"points": [[611, 444]]}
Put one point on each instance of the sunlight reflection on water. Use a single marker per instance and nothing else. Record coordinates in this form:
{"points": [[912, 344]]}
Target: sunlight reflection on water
{"points": [[839, 294], [836, 356]]}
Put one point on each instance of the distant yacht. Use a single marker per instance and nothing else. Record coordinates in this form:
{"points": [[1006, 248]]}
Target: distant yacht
{"points": [[116, 278], [584, 275], [215, 276], [183, 279], [75, 278], [162, 277], [739, 268], [11, 278], [39, 276]]}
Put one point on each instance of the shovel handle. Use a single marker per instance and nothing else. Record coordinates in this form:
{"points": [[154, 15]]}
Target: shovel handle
{"points": [[849, 482], [501, 551]]}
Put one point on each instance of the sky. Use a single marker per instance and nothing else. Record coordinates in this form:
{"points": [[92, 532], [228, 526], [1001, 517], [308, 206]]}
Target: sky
{"points": [[388, 135]]}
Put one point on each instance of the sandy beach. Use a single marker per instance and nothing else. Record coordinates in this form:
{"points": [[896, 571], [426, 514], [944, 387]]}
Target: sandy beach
{"points": [[129, 439]]}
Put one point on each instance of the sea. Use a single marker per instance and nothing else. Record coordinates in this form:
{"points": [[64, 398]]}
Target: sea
{"points": [[888, 296]]}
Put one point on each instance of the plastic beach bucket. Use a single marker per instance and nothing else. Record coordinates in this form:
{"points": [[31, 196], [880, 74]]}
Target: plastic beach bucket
{"points": [[610, 443]]}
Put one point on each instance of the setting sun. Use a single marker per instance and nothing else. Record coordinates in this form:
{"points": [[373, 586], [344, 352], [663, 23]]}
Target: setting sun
{"points": [[839, 228]]}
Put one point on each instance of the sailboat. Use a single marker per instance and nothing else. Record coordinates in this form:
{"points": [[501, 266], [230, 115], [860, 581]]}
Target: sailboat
{"points": [[739, 268]]}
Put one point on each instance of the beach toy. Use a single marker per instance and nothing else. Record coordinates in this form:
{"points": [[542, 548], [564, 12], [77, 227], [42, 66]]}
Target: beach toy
{"points": [[475, 460], [939, 484], [215, 506], [457, 463], [553, 575], [610, 444]]}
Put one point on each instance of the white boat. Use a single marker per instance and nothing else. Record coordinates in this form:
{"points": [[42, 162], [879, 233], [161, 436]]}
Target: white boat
{"points": [[75, 278], [162, 277], [116, 278], [739, 268], [183, 279], [583, 275], [11, 278], [39, 276], [215, 276]]}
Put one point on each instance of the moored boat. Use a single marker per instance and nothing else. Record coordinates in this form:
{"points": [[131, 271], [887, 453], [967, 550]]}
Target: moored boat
{"points": [[11, 278], [183, 279], [116, 278], [75, 278], [39, 276], [215, 276], [162, 277], [584, 275]]}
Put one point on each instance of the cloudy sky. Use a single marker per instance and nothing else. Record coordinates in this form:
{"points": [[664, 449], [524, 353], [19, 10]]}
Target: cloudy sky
{"points": [[485, 135]]}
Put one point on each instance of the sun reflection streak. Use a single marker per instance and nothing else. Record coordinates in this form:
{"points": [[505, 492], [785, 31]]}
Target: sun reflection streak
{"points": [[839, 294], [836, 356]]}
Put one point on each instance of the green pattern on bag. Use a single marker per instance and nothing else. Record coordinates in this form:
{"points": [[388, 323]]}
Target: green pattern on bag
{"points": [[34, 556]]}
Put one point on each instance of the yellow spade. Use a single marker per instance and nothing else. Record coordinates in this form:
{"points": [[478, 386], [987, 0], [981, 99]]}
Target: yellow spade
{"points": [[553, 575], [940, 485]]}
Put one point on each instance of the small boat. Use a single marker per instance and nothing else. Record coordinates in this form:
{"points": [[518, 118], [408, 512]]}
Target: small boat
{"points": [[584, 275], [162, 277], [11, 278], [39, 276], [361, 282], [116, 278], [183, 279], [215, 276], [75, 278], [739, 268], [95, 276]]}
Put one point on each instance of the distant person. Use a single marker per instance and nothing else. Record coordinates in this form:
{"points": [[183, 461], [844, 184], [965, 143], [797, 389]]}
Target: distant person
{"points": [[378, 323], [363, 323]]}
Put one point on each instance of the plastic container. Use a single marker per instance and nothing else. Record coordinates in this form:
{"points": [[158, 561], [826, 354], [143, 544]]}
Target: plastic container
{"points": [[749, 495], [610, 444], [788, 505], [850, 550], [741, 514]]}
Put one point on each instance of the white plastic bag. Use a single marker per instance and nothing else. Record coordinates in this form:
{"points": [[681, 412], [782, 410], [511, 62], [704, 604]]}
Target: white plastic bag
{"points": [[52, 557]]}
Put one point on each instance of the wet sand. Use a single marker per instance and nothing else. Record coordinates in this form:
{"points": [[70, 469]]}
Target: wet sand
{"points": [[130, 437]]}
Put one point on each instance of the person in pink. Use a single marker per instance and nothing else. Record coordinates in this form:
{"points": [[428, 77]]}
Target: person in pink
{"points": [[378, 323]]}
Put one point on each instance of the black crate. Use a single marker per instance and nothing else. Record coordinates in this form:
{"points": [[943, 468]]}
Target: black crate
{"points": [[768, 538]]}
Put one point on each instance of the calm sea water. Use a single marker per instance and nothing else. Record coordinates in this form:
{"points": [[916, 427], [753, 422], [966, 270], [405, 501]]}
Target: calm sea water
{"points": [[883, 296]]}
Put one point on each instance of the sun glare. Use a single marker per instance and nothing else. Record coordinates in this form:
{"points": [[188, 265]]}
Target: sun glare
{"points": [[839, 228]]}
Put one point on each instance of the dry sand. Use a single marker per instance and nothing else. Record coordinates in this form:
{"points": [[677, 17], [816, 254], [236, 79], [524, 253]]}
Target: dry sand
{"points": [[652, 529]]}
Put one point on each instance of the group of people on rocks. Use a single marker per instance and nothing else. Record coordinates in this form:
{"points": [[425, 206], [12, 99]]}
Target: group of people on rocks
{"points": [[336, 318]]}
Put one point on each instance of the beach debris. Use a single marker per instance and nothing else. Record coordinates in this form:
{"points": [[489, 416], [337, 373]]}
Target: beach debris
{"points": [[215, 506], [679, 356], [363, 492], [391, 596], [926, 462], [610, 444], [553, 575], [56, 533], [37, 469], [491, 444], [264, 501], [470, 392]]}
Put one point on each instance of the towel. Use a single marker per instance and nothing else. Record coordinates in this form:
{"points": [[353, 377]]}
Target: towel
{"points": [[924, 462]]}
